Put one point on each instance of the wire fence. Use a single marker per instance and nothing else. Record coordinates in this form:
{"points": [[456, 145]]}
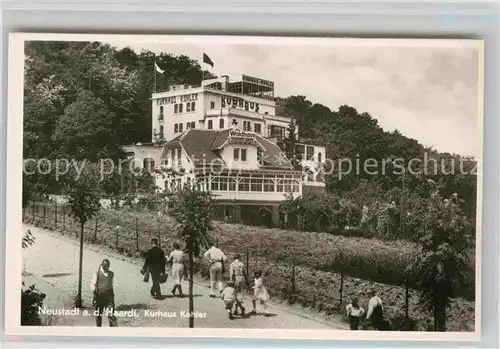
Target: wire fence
{"points": [[130, 232]]}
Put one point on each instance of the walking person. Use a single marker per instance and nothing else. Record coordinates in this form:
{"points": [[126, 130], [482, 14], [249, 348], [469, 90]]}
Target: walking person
{"points": [[354, 313], [228, 295], [375, 311], [155, 265], [259, 293], [102, 289], [239, 277], [177, 272], [216, 258]]}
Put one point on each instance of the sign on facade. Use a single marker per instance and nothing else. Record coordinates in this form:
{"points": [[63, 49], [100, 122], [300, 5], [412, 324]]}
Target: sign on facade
{"points": [[234, 102], [258, 81], [191, 97]]}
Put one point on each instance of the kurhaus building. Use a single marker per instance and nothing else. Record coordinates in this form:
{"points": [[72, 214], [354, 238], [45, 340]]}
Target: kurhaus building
{"points": [[226, 136]]}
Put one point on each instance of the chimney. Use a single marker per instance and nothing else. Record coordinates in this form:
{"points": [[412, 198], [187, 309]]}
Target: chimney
{"points": [[225, 82]]}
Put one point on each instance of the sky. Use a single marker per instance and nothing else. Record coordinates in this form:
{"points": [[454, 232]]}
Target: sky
{"points": [[427, 89]]}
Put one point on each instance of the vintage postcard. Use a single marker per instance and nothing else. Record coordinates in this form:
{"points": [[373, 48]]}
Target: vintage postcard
{"points": [[261, 187]]}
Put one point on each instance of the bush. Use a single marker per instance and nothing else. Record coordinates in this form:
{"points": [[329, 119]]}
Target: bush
{"points": [[31, 300]]}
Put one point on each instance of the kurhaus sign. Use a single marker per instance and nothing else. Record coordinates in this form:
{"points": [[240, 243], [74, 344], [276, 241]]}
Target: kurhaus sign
{"points": [[258, 81], [177, 99], [235, 102]]}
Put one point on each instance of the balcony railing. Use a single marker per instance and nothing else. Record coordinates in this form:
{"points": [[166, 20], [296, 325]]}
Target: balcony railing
{"points": [[234, 112]]}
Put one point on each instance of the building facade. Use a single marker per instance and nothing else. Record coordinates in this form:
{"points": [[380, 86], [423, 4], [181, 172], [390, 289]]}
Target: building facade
{"points": [[226, 136]]}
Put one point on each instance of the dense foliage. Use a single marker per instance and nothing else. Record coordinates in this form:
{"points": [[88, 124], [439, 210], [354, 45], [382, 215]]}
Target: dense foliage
{"points": [[82, 98]]}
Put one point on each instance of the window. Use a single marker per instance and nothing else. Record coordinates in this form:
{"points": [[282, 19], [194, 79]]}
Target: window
{"points": [[256, 184], [268, 185], [247, 126], [181, 127], [219, 183], [243, 155], [310, 153], [267, 113], [193, 124], [221, 123], [179, 153], [232, 184], [188, 107], [176, 108], [244, 184], [176, 128], [210, 124], [180, 108], [236, 154], [193, 106], [274, 131], [161, 131], [188, 125], [320, 158], [172, 155], [212, 105], [258, 128], [160, 117]]}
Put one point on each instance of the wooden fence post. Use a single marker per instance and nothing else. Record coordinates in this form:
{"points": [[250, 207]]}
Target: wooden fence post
{"points": [[64, 217], [407, 300], [34, 208], [117, 230], [95, 229], [341, 291], [159, 233], [248, 264], [293, 278], [136, 234], [55, 216]]}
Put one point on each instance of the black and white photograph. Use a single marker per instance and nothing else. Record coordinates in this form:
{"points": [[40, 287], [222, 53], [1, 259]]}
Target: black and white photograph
{"points": [[227, 186]]}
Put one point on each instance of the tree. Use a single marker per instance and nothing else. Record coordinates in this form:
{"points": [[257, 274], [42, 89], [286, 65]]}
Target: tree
{"points": [[192, 212], [86, 128], [441, 264], [290, 145], [83, 201]]}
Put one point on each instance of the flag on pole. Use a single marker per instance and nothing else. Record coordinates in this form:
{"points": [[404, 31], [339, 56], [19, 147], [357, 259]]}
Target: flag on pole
{"points": [[158, 69], [207, 60]]}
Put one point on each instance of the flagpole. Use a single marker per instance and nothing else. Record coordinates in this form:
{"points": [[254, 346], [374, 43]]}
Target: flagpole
{"points": [[202, 70], [154, 72]]}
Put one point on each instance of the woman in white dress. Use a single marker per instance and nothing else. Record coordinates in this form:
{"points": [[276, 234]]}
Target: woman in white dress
{"points": [[177, 260]]}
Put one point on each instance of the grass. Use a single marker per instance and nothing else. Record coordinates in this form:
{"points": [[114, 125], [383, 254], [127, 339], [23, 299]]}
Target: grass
{"points": [[319, 260]]}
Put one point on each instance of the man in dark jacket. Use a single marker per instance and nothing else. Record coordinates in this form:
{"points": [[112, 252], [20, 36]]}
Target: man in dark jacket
{"points": [[155, 264]]}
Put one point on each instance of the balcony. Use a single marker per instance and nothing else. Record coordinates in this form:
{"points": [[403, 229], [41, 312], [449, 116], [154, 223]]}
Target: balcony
{"points": [[235, 112]]}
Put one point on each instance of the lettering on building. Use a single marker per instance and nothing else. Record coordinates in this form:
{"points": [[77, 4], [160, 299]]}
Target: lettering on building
{"points": [[258, 81], [177, 99], [241, 134], [239, 103]]}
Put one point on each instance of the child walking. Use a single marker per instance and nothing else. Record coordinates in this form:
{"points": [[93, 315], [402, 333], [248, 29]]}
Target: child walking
{"points": [[259, 293], [355, 313], [228, 295]]}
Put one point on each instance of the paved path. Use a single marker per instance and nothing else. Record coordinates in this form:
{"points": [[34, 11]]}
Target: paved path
{"points": [[52, 263]]}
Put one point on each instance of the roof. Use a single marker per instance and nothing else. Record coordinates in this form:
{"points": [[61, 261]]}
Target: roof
{"points": [[203, 146]]}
